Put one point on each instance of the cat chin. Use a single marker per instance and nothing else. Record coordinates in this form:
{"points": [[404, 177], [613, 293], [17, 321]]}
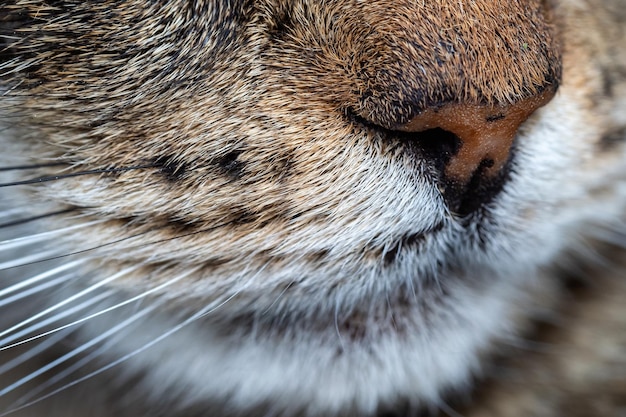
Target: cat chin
{"points": [[418, 357]]}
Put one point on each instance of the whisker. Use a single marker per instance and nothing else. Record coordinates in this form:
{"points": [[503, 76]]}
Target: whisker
{"points": [[32, 239], [75, 174], [35, 259], [102, 369], [39, 237], [32, 352], [25, 260], [36, 217], [198, 315], [68, 300], [77, 350], [39, 288], [35, 166], [212, 307], [96, 353], [278, 297], [37, 278], [3, 343], [59, 376], [337, 330]]}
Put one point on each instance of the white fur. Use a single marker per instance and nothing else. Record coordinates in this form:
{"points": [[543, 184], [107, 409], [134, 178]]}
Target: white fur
{"points": [[537, 216], [556, 194]]}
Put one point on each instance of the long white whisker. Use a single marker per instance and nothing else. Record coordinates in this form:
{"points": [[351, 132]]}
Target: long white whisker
{"points": [[4, 343], [278, 297], [70, 369], [30, 353], [67, 301], [39, 237], [37, 289], [77, 350], [204, 312], [124, 358], [11, 212], [24, 260], [89, 317], [233, 295], [37, 278]]}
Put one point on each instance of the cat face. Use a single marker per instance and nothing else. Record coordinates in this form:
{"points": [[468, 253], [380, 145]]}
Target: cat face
{"points": [[241, 121], [374, 176]]}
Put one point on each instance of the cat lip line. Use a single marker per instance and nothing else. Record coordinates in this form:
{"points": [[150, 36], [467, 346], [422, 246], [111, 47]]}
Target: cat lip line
{"points": [[409, 239]]}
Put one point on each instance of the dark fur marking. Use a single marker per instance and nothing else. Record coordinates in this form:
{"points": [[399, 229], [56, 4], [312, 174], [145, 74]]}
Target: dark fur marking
{"points": [[612, 75], [283, 166], [611, 139], [183, 226], [243, 216], [281, 25], [170, 168], [230, 165], [318, 256]]}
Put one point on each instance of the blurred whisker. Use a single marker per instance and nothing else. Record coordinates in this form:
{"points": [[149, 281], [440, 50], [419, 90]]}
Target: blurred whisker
{"points": [[34, 218], [37, 258], [37, 289], [40, 277], [59, 376], [76, 351], [198, 315], [28, 167], [75, 174], [3, 343], [66, 301], [32, 352], [10, 341], [40, 237]]}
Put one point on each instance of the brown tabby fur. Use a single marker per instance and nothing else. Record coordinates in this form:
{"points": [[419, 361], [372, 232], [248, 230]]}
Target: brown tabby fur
{"points": [[198, 105]]}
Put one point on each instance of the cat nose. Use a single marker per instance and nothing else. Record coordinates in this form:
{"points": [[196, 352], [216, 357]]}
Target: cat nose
{"points": [[485, 133]]}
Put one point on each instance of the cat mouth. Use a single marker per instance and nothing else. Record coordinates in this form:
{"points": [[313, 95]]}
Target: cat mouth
{"points": [[409, 242]]}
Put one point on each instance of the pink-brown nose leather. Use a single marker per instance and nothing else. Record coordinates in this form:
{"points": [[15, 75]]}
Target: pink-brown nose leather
{"points": [[486, 132]]}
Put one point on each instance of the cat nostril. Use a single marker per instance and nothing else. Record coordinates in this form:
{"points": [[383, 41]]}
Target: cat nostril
{"points": [[468, 144], [485, 133], [437, 146]]}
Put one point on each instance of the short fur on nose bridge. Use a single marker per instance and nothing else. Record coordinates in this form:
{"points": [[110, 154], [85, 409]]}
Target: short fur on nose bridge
{"points": [[486, 132]]}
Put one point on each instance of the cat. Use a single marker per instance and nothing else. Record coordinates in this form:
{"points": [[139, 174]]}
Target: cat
{"points": [[312, 207]]}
